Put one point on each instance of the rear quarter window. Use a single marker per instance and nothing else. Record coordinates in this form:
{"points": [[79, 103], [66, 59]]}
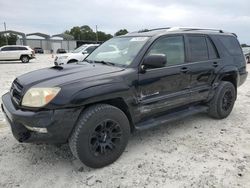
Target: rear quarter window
{"points": [[5, 49], [231, 44]]}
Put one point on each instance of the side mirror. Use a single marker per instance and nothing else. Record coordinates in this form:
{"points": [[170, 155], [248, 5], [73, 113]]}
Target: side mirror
{"points": [[154, 61], [84, 52]]}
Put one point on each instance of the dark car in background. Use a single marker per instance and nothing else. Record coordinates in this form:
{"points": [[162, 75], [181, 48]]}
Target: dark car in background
{"points": [[61, 51], [38, 50]]}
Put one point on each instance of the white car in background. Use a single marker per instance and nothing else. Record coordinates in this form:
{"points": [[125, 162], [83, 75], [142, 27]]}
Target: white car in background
{"points": [[16, 52], [76, 55]]}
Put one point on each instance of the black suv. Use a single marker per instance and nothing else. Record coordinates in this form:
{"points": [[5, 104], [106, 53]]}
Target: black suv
{"points": [[132, 82]]}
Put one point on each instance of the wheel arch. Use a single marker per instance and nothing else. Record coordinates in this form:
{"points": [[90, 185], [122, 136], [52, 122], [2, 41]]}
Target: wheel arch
{"points": [[230, 74], [119, 103], [231, 77], [72, 60], [24, 55]]}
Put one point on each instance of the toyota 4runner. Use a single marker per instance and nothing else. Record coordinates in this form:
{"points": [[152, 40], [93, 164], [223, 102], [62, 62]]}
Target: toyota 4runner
{"points": [[131, 82]]}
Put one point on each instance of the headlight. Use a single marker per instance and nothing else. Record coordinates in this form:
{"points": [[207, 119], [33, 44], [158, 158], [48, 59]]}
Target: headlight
{"points": [[38, 97], [63, 57]]}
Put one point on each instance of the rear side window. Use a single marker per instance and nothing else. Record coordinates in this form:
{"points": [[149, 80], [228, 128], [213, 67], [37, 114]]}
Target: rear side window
{"points": [[213, 54], [231, 44], [5, 49], [14, 48], [198, 48]]}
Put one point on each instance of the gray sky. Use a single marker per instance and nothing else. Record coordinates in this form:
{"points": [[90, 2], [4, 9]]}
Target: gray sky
{"points": [[54, 16]]}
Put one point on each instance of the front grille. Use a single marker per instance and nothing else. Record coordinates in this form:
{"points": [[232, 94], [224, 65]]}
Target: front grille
{"points": [[16, 91]]}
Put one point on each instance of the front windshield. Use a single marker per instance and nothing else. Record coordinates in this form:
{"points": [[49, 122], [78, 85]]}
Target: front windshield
{"points": [[120, 50], [80, 49]]}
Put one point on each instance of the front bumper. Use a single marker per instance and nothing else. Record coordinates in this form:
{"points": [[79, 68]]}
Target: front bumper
{"points": [[59, 123], [32, 56], [59, 61]]}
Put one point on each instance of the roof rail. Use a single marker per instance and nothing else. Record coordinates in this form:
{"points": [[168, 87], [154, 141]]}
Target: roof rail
{"points": [[180, 28], [183, 29], [197, 29], [155, 29]]}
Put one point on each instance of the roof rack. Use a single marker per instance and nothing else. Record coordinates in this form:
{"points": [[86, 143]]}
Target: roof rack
{"points": [[183, 29], [198, 29], [161, 28]]}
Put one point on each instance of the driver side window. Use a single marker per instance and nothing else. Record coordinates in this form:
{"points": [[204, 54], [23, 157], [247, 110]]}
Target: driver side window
{"points": [[171, 47]]}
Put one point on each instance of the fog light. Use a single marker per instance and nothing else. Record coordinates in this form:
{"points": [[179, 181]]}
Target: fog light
{"points": [[37, 129]]}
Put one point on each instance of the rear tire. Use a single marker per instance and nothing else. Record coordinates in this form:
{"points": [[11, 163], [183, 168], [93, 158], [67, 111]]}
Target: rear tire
{"points": [[25, 58], [223, 101], [100, 136]]}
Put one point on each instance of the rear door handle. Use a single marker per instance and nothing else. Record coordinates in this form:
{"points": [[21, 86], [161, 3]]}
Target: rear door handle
{"points": [[215, 64], [184, 69]]}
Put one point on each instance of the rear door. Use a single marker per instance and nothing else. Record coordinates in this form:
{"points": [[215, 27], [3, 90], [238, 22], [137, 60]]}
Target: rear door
{"points": [[14, 53], [161, 89], [203, 60], [5, 53]]}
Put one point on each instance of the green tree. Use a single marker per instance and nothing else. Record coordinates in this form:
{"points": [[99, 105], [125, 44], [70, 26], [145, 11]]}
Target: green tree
{"points": [[143, 30], [86, 33], [76, 32], [103, 36], [245, 45], [11, 39], [121, 32]]}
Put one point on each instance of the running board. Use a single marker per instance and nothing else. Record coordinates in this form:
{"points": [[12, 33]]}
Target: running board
{"points": [[170, 117]]}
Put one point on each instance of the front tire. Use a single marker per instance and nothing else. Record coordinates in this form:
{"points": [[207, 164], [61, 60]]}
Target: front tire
{"points": [[25, 59], [100, 136], [223, 101]]}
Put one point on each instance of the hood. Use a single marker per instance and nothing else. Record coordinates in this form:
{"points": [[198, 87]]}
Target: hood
{"points": [[66, 74], [65, 54]]}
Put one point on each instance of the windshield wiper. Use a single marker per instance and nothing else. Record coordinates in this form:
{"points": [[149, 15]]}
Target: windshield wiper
{"points": [[86, 60], [105, 63], [89, 61]]}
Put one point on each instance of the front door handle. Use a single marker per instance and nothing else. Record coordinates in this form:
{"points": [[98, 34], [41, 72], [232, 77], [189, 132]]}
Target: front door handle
{"points": [[184, 69]]}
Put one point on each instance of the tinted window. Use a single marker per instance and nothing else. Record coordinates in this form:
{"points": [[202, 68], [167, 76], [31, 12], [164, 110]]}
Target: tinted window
{"points": [[5, 49], [14, 48], [22, 48], [9, 49], [198, 48], [213, 54], [90, 49], [172, 47], [231, 44]]}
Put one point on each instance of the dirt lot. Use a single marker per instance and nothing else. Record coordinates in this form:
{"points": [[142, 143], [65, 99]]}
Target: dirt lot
{"points": [[195, 152]]}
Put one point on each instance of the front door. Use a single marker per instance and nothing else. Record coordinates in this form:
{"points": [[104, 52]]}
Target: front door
{"points": [[161, 89]]}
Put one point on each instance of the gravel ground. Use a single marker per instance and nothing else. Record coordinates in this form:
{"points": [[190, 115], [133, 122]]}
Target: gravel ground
{"points": [[195, 152]]}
